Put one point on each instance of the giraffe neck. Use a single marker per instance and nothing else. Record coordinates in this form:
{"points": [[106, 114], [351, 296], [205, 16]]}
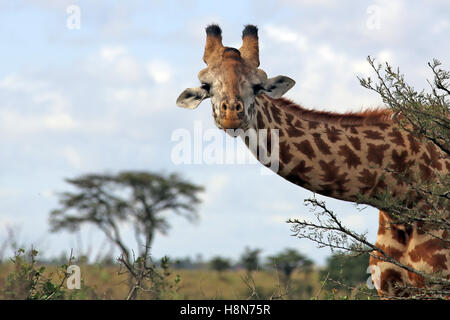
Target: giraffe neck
{"points": [[345, 157], [340, 156]]}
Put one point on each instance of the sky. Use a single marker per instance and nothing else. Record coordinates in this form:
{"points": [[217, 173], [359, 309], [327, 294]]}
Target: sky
{"points": [[99, 96]]}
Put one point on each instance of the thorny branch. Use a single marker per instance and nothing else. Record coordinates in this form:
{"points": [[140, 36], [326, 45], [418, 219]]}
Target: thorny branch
{"points": [[330, 232]]}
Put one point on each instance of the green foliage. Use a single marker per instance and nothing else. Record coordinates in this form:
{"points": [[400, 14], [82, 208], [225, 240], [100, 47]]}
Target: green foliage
{"points": [[162, 285], [289, 260], [32, 282], [347, 269], [220, 264], [28, 280], [250, 259], [141, 199], [424, 114]]}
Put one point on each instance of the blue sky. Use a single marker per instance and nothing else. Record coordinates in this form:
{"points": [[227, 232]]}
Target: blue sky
{"points": [[102, 99]]}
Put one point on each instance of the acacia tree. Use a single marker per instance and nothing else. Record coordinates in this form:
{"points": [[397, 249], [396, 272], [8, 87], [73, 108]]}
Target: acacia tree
{"points": [[427, 117], [141, 199], [250, 259], [220, 264], [288, 261]]}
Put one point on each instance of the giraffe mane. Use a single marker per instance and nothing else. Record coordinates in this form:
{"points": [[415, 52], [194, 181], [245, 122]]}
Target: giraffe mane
{"points": [[365, 117]]}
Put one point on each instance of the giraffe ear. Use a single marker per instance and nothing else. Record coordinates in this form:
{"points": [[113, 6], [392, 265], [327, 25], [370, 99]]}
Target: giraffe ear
{"points": [[277, 86], [191, 97]]}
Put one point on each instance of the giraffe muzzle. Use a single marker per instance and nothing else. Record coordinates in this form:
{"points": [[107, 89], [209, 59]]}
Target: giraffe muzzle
{"points": [[231, 115]]}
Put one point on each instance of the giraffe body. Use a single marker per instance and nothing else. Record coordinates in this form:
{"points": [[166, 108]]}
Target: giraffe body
{"points": [[354, 157], [344, 156]]}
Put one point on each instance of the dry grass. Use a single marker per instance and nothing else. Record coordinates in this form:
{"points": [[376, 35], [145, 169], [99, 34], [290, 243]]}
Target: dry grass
{"points": [[197, 284]]}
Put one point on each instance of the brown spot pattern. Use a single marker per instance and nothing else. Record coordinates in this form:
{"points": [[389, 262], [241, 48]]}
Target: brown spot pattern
{"points": [[298, 174], [387, 279], [265, 108], [331, 174], [260, 120], [381, 223], [352, 128], [306, 148], [375, 153], [374, 135], [321, 144], [333, 134], [432, 158], [427, 252], [399, 163], [391, 251], [298, 124], [426, 172], [285, 154], [276, 114], [370, 182], [294, 132], [330, 170], [313, 124], [351, 158], [417, 280], [356, 143], [397, 137], [382, 126], [401, 234], [289, 119], [368, 179], [414, 145]]}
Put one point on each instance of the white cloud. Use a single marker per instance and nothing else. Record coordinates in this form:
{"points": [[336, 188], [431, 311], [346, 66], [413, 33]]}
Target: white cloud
{"points": [[59, 122], [117, 62], [31, 105], [56, 101], [327, 53], [361, 67], [73, 157], [139, 100], [326, 73], [357, 221], [111, 53], [6, 192], [385, 56], [440, 26], [16, 82], [284, 34], [22, 123], [8, 222], [277, 218], [214, 187], [48, 194], [320, 3], [159, 70]]}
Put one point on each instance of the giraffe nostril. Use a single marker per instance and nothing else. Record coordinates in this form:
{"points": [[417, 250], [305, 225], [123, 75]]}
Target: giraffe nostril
{"points": [[239, 107], [224, 106]]}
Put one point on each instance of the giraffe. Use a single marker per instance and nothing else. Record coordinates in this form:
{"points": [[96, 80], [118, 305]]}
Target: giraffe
{"points": [[337, 155]]}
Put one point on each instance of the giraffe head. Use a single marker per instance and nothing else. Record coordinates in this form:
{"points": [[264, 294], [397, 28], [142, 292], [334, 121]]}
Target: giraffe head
{"points": [[232, 80]]}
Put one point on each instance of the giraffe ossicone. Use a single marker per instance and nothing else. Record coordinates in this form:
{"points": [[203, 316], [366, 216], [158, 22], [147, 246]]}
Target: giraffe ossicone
{"points": [[344, 156]]}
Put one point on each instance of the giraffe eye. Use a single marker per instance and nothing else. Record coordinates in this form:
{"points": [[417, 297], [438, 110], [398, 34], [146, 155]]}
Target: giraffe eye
{"points": [[257, 88], [206, 86]]}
